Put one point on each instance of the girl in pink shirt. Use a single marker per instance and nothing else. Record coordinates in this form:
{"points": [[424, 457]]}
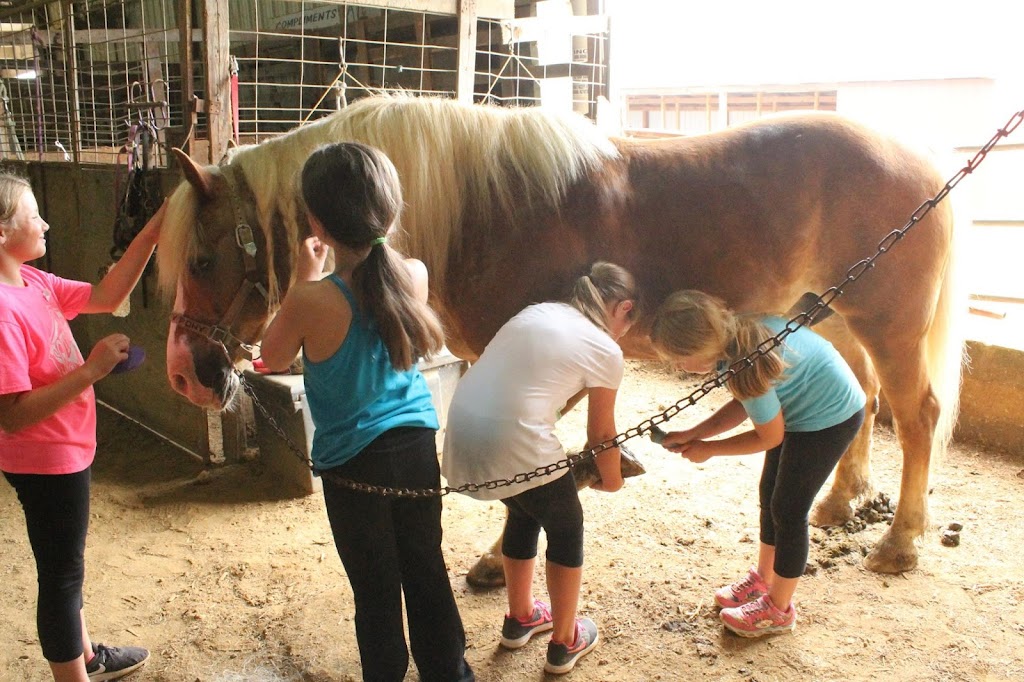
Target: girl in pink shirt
{"points": [[48, 421]]}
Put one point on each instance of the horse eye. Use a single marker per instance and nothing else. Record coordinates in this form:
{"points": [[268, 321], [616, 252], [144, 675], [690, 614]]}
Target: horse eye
{"points": [[201, 265]]}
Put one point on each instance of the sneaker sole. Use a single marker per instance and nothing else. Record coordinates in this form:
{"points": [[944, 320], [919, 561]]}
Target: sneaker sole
{"points": [[566, 667], [749, 634], [520, 642], [732, 604], [117, 674]]}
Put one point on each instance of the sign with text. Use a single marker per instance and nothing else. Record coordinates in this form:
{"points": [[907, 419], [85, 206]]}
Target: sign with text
{"points": [[325, 17]]}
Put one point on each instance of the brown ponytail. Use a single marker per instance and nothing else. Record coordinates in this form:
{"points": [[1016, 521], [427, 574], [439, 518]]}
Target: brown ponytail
{"points": [[355, 193]]}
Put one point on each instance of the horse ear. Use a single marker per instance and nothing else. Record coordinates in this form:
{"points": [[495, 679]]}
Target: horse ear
{"points": [[228, 150], [197, 176]]}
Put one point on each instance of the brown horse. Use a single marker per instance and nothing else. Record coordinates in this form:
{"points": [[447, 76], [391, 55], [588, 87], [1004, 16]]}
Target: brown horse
{"points": [[506, 206]]}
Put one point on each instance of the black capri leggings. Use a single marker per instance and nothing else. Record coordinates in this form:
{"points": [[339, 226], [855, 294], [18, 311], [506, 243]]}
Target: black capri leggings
{"points": [[556, 508], [793, 473], [57, 517]]}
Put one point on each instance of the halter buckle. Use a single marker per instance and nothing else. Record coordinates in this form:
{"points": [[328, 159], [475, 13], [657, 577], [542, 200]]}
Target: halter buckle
{"points": [[245, 240]]}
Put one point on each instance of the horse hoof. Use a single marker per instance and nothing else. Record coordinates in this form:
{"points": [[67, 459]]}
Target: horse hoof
{"points": [[882, 559], [831, 511], [486, 575]]}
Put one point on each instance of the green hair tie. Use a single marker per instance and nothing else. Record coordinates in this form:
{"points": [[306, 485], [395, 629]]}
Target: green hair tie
{"points": [[379, 240]]}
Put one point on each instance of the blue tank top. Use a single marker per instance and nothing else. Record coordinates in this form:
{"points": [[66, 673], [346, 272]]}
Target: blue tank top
{"points": [[356, 395]]}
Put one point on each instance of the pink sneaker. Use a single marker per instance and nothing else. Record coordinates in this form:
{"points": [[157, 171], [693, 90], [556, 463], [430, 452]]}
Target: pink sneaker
{"points": [[516, 633], [758, 618], [743, 591]]}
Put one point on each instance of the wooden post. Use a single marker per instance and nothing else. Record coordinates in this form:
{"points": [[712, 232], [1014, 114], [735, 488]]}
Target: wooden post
{"points": [[466, 79], [218, 81], [71, 73], [179, 137]]}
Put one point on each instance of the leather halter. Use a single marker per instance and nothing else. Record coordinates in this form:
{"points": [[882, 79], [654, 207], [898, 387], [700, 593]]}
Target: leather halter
{"points": [[221, 333]]}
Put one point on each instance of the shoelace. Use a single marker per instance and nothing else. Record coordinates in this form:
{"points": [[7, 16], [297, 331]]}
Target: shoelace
{"points": [[744, 584], [755, 607]]}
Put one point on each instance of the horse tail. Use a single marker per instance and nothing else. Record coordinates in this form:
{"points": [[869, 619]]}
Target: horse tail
{"points": [[945, 340]]}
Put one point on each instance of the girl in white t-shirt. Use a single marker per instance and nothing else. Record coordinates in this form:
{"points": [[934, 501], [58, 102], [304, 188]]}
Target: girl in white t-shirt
{"points": [[501, 423]]}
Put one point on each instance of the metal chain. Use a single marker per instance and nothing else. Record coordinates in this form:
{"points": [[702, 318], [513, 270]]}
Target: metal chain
{"points": [[804, 318]]}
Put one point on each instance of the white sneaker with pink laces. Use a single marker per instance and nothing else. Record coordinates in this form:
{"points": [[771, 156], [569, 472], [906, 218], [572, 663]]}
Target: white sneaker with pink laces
{"points": [[743, 591], [759, 618]]}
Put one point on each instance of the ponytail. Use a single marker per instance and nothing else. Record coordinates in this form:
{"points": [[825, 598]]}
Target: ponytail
{"points": [[747, 334], [606, 283], [355, 193], [692, 323], [408, 327]]}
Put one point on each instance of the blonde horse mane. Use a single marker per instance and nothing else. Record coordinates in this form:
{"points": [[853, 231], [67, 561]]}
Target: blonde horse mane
{"points": [[454, 160]]}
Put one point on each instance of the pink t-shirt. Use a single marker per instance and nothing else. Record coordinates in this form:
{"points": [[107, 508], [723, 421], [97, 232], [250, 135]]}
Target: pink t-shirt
{"points": [[37, 349]]}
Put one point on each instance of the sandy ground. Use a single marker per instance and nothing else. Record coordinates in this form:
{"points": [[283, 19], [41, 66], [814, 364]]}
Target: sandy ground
{"points": [[225, 581]]}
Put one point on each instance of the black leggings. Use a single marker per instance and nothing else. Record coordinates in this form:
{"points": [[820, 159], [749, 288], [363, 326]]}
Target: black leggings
{"points": [[556, 508], [57, 517], [794, 472], [391, 546]]}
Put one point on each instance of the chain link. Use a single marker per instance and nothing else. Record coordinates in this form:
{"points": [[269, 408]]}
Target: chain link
{"points": [[650, 424]]}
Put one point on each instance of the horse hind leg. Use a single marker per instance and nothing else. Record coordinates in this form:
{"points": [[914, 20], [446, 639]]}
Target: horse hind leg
{"points": [[488, 571], [852, 480], [915, 413]]}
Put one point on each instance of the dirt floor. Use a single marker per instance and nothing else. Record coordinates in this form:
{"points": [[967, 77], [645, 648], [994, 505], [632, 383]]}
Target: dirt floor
{"points": [[225, 581]]}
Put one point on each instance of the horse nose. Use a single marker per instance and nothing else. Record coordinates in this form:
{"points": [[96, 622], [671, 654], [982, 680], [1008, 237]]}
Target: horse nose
{"points": [[180, 384]]}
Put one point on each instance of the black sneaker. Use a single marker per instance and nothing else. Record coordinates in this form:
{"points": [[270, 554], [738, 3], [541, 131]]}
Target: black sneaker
{"points": [[516, 633], [113, 663], [562, 658]]}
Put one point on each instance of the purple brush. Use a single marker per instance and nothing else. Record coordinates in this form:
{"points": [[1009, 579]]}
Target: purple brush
{"points": [[136, 354]]}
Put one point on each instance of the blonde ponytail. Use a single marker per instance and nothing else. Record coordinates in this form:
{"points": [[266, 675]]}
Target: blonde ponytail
{"points": [[692, 323], [605, 284]]}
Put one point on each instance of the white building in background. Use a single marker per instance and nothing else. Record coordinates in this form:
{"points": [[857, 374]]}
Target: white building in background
{"points": [[936, 74]]}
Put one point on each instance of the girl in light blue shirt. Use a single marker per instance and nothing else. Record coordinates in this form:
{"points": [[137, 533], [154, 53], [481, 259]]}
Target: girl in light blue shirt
{"points": [[805, 405]]}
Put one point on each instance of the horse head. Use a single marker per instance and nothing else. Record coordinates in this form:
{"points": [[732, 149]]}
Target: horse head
{"points": [[215, 257]]}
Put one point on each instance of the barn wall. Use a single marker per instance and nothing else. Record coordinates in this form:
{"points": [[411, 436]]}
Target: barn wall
{"points": [[992, 399]]}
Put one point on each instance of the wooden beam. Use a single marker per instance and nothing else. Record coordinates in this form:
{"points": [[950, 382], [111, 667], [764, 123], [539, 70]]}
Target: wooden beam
{"points": [[218, 79], [184, 135], [467, 50], [486, 9], [71, 67]]}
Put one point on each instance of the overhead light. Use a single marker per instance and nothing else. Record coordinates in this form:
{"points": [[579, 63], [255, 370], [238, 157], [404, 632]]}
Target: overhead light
{"points": [[26, 75]]}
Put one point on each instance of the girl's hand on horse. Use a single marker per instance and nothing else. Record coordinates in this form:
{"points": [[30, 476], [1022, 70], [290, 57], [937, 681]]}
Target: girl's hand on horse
{"points": [[312, 256], [698, 451]]}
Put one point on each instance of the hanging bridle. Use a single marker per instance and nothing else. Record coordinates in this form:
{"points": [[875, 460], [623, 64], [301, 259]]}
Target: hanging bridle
{"points": [[221, 333]]}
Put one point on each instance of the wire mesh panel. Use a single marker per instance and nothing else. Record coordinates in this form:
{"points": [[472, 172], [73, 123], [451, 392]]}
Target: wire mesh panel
{"points": [[298, 61], [80, 79], [528, 63], [86, 80], [301, 60]]}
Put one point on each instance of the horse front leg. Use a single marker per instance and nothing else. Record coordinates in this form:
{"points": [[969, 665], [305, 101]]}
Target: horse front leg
{"points": [[489, 571], [852, 480]]}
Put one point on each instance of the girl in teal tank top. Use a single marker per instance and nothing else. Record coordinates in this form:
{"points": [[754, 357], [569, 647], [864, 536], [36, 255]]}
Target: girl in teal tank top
{"points": [[361, 331]]}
